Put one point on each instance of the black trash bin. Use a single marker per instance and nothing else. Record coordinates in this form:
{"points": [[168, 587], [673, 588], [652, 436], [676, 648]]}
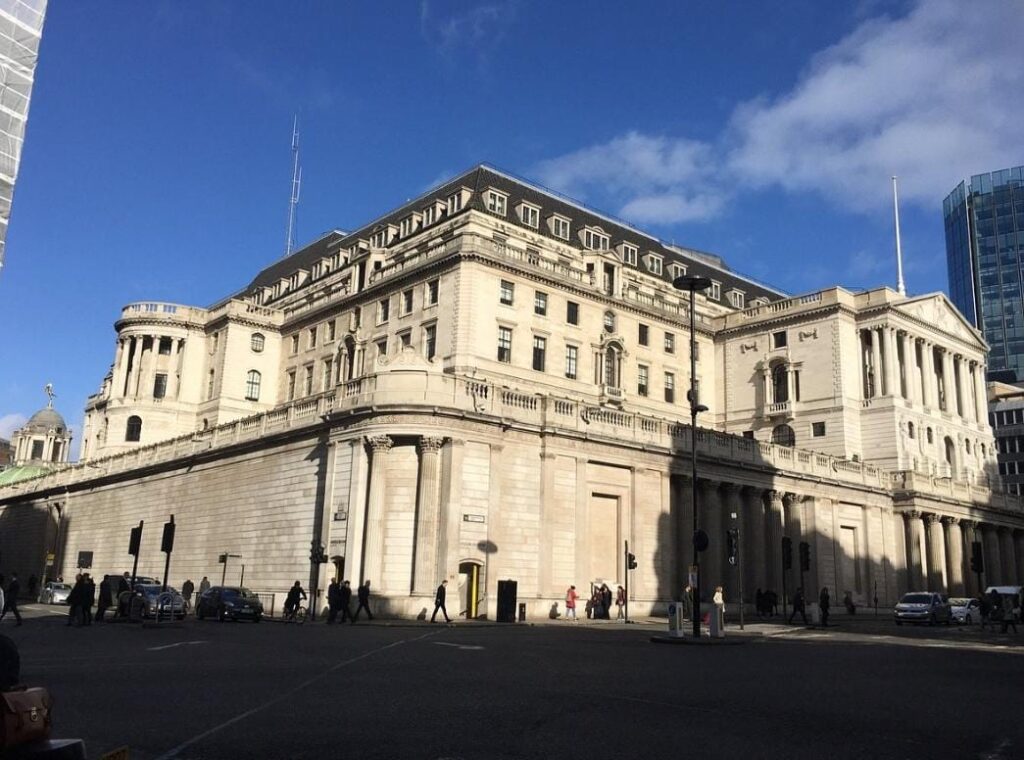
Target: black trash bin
{"points": [[507, 601]]}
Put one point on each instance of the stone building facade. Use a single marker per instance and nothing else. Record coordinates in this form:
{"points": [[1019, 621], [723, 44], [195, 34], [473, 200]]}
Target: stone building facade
{"points": [[488, 383]]}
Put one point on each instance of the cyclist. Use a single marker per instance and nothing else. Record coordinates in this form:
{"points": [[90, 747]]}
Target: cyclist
{"points": [[291, 603]]}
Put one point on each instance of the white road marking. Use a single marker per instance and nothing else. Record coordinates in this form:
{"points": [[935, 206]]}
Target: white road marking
{"points": [[283, 696], [997, 752], [457, 646], [171, 646]]}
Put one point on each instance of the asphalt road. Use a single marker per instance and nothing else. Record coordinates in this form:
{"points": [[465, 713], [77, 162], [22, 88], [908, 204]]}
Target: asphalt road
{"points": [[211, 690]]}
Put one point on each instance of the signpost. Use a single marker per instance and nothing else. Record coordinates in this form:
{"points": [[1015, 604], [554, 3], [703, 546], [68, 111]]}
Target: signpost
{"points": [[223, 559], [134, 542]]}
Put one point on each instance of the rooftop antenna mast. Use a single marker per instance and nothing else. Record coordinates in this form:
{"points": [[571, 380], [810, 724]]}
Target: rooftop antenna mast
{"points": [[293, 202], [900, 287]]}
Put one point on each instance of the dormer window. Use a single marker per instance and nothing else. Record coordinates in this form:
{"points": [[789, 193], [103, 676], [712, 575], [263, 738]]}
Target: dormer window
{"points": [[293, 281], [497, 202], [456, 201], [715, 293], [529, 215], [408, 225], [628, 253], [559, 226], [737, 299], [654, 263], [677, 270], [379, 238], [595, 240]]}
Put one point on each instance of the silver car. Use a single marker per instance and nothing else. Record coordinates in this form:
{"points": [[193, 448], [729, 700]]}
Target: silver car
{"points": [[55, 593], [155, 599], [966, 611], [923, 607]]}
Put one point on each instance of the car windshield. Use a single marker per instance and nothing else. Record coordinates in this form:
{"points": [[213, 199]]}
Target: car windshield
{"points": [[959, 602], [235, 593], [916, 599]]}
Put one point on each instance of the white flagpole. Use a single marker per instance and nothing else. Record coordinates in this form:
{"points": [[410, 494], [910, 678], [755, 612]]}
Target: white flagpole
{"points": [[900, 287]]}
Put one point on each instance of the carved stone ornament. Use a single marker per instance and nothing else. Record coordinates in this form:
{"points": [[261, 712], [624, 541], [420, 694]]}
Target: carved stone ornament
{"points": [[808, 334], [744, 347], [429, 443], [380, 443]]}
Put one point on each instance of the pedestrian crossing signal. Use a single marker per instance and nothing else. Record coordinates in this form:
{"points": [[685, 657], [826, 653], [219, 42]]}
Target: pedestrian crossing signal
{"points": [[631, 561]]}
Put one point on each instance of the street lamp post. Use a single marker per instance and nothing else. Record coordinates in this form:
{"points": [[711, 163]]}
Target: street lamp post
{"points": [[694, 284]]}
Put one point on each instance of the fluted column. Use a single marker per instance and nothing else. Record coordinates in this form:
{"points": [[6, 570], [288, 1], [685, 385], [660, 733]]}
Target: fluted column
{"points": [[966, 406], [980, 396], [891, 362], [928, 380], [954, 556], [711, 521], [1008, 556], [914, 531], [876, 363], [969, 530], [427, 507], [948, 381], [773, 518], [909, 392], [993, 561], [120, 361], [754, 539], [936, 545], [373, 559]]}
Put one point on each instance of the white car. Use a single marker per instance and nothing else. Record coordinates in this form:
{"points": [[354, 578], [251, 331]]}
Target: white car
{"points": [[55, 593], [966, 611]]}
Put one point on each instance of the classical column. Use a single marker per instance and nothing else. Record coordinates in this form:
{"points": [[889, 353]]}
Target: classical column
{"points": [[914, 530], [711, 521], [754, 540], [891, 362], [427, 506], [876, 363], [966, 408], [1009, 565], [120, 362], [968, 528], [948, 381], [1018, 552], [928, 374], [993, 562], [732, 503], [954, 556], [791, 528], [373, 559], [935, 542], [773, 518], [909, 391]]}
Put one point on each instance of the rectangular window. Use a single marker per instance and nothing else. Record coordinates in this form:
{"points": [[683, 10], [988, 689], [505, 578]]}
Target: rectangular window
{"points": [[642, 380], [531, 216], [160, 385], [209, 385], [496, 202], [454, 203], [572, 313], [629, 254], [430, 341], [165, 346], [737, 299], [295, 344], [432, 291], [670, 387], [405, 338], [429, 215], [328, 374], [595, 241], [540, 349], [382, 347], [654, 264], [307, 381], [644, 336], [540, 304], [383, 311], [407, 301], [312, 337], [507, 294], [715, 294], [560, 227], [818, 429], [331, 328], [505, 344], [779, 339], [291, 385], [571, 359], [670, 343]]}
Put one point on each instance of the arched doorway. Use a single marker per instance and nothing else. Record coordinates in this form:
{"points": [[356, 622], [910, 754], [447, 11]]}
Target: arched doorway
{"points": [[471, 589]]}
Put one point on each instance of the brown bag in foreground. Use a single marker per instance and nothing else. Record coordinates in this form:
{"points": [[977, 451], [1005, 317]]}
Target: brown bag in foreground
{"points": [[24, 716]]}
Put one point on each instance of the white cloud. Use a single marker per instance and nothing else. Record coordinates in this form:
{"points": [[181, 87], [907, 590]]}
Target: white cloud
{"points": [[11, 422], [478, 30], [933, 97]]}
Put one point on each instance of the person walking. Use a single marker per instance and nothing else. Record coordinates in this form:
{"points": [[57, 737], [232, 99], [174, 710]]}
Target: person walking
{"points": [[88, 599], [851, 608], [204, 585], [187, 589], [985, 603], [719, 601], [291, 602], [11, 599], [687, 602], [333, 600], [105, 601], [363, 594], [123, 601], [345, 602], [606, 602], [799, 605], [570, 604], [824, 602], [439, 597], [1006, 606], [620, 602], [75, 600]]}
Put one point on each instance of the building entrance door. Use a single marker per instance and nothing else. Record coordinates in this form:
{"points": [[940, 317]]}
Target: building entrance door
{"points": [[469, 590]]}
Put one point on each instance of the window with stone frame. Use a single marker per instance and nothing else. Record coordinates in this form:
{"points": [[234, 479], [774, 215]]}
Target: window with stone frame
{"points": [[540, 350], [252, 385], [160, 385], [571, 362], [505, 344], [133, 430], [670, 387]]}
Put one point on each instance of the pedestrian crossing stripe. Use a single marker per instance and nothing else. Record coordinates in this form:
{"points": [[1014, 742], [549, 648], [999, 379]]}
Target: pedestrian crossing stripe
{"points": [[121, 753]]}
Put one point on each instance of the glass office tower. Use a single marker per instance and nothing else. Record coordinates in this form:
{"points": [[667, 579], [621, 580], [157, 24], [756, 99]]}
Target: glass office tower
{"points": [[21, 27], [984, 221]]}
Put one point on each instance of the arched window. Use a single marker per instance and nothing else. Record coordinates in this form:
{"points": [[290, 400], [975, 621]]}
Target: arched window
{"points": [[950, 450], [967, 445], [252, 386], [257, 342], [133, 432], [780, 384], [783, 435], [930, 439], [910, 429]]}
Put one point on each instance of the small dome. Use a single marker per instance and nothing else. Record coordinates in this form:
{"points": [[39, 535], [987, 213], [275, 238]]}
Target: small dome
{"points": [[44, 420]]}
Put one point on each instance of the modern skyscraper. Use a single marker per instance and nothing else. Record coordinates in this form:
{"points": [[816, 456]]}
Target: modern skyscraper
{"points": [[984, 221], [21, 27]]}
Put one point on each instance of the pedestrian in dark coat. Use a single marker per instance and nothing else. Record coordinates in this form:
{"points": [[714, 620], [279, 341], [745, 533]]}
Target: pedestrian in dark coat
{"points": [[439, 597], [75, 600], [88, 599], [363, 592], [187, 589], [759, 602], [606, 602], [345, 602], [122, 598], [106, 600], [333, 600], [824, 602], [687, 602], [798, 606], [11, 599]]}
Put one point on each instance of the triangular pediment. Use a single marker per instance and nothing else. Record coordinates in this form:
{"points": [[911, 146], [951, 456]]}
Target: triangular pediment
{"points": [[938, 311]]}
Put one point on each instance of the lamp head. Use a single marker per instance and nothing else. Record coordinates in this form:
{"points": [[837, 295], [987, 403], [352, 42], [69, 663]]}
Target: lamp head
{"points": [[691, 283]]}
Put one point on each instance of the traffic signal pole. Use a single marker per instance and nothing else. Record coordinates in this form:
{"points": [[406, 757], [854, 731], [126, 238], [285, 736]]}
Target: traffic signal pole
{"points": [[625, 563]]}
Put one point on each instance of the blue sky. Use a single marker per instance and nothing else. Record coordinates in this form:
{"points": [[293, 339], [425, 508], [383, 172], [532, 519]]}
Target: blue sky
{"points": [[157, 160]]}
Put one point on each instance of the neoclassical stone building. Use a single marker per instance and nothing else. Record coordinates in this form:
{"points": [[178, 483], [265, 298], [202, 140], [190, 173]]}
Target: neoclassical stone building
{"points": [[490, 382]]}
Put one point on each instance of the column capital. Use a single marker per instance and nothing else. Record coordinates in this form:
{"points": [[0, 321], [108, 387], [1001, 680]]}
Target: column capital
{"points": [[931, 518], [912, 514], [730, 487], [430, 443], [773, 495], [789, 498], [949, 520], [1002, 529], [380, 443], [968, 524]]}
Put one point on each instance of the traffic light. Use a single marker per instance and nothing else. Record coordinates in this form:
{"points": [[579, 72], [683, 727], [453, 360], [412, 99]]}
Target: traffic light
{"points": [[805, 556], [732, 543], [787, 553], [977, 558], [135, 540], [631, 561], [167, 540]]}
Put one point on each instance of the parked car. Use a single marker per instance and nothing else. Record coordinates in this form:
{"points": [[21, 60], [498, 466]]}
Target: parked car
{"points": [[55, 593], [154, 602], [229, 603], [1016, 593], [923, 607], [966, 611]]}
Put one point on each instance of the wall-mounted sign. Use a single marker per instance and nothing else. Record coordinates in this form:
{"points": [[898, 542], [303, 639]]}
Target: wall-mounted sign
{"points": [[473, 518]]}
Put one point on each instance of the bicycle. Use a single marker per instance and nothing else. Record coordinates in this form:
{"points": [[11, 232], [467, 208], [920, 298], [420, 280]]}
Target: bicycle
{"points": [[297, 615]]}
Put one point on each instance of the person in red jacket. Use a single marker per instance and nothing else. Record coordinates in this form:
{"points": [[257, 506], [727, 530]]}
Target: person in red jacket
{"points": [[570, 603]]}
